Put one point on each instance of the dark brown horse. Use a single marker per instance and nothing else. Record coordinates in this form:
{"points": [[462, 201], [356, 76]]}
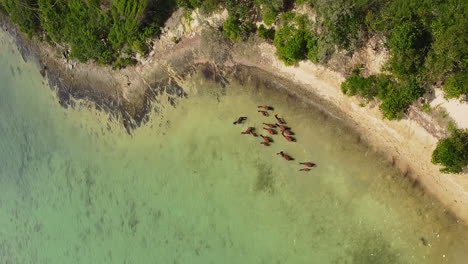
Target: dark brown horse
{"points": [[305, 169], [266, 107], [280, 120], [284, 156], [308, 164], [290, 139], [266, 144], [266, 139], [270, 130], [283, 128], [287, 133], [240, 120], [264, 113], [248, 131], [269, 125]]}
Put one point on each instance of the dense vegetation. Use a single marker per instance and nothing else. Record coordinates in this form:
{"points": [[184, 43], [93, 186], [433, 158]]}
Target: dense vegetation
{"points": [[108, 31], [452, 152], [427, 39], [395, 96]]}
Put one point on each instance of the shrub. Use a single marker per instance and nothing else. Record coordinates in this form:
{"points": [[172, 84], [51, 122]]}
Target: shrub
{"points": [[294, 40], [355, 84], [123, 62], [313, 48], [397, 97], [456, 85], [270, 9], [236, 30], [126, 21], [408, 46], [452, 152], [291, 45], [22, 12], [52, 17], [266, 33], [449, 31]]}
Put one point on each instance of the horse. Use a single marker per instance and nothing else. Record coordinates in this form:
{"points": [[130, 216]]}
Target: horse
{"points": [[308, 164], [271, 131], [266, 139], [280, 120], [248, 131], [240, 120], [269, 125], [266, 107], [284, 156], [283, 128]]}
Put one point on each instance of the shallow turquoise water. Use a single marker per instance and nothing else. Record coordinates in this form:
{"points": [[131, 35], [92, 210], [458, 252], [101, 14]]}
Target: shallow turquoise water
{"points": [[188, 188]]}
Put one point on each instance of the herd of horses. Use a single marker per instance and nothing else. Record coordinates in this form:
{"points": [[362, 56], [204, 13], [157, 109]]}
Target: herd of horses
{"points": [[271, 128]]}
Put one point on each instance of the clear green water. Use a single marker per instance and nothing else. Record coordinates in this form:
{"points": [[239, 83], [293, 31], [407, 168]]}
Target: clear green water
{"points": [[188, 188]]}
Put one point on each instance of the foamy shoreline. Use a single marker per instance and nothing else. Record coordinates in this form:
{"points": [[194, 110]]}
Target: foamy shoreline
{"points": [[407, 143]]}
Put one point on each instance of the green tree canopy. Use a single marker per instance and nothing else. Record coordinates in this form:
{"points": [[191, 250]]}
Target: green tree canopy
{"points": [[452, 152]]}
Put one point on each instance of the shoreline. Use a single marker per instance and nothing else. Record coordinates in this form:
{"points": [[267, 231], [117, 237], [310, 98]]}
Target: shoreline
{"points": [[129, 96]]}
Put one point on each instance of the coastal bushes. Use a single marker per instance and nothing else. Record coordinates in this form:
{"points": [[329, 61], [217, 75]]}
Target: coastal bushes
{"points": [[356, 84], [22, 12], [266, 33], [426, 39], [205, 6], [270, 9], [240, 23], [236, 30], [94, 30], [395, 96], [452, 152], [456, 85], [408, 43], [295, 40]]}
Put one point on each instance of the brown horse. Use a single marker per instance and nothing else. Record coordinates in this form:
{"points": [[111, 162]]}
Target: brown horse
{"points": [[264, 113], [280, 120], [290, 139], [266, 139], [270, 130], [308, 164], [284, 156], [266, 107], [240, 120], [287, 133], [283, 128], [305, 169], [248, 131], [266, 144], [269, 125]]}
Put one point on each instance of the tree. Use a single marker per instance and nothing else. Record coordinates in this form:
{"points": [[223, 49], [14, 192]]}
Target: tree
{"points": [[355, 84], [452, 152], [456, 85], [23, 13], [236, 30], [408, 48], [293, 39], [266, 33]]}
